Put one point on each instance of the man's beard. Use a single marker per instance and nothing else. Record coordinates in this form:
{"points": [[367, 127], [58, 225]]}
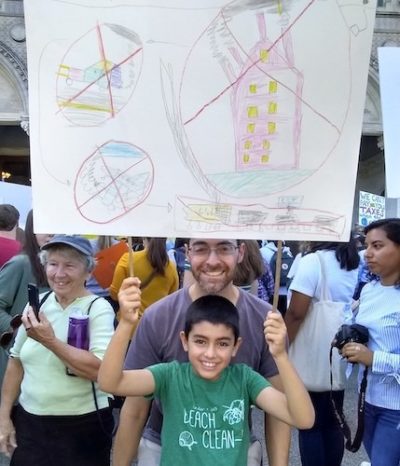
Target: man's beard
{"points": [[209, 286]]}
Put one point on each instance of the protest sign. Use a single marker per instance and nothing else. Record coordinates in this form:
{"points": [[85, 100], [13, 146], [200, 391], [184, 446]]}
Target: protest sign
{"points": [[224, 119], [371, 207]]}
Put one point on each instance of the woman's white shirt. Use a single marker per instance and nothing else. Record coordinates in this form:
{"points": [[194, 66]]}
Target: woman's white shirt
{"points": [[307, 279]]}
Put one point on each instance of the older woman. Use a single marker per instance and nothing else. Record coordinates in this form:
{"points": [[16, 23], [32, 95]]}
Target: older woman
{"points": [[60, 418]]}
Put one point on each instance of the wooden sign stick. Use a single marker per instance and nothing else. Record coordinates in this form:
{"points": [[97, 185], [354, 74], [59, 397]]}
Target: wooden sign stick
{"points": [[130, 257], [277, 277]]}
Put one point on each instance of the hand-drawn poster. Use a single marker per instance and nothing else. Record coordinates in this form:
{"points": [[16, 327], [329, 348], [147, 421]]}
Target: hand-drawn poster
{"points": [[389, 83], [197, 118], [371, 207]]}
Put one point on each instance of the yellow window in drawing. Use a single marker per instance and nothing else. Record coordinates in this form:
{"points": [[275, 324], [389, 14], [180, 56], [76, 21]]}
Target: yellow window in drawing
{"points": [[265, 158], [246, 157], [264, 55], [271, 127], [272, 107], [247, 144], [266, 144], [272, 87], [252, 111], [253, 88], [251, 127]]}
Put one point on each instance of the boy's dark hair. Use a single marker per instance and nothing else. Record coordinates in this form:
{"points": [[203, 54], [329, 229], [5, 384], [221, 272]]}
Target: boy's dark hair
{"points": [[9, 217], [214, 309]]}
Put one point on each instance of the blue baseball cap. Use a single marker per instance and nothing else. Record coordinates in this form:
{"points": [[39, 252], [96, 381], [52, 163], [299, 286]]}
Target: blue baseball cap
{"points": [[79, 243]]}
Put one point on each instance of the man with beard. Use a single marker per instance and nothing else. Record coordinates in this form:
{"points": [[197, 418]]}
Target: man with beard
{"points": [[156, 340]]}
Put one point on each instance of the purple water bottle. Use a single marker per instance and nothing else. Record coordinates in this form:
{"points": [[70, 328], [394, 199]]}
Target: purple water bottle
{"points": [[78, 332]]}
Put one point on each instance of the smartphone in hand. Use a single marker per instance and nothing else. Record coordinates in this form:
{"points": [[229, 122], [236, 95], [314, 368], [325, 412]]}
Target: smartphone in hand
{"points": [[33, 298]]}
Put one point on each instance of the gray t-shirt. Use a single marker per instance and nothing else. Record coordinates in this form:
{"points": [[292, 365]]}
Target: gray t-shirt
{"points": [[157, 340]]}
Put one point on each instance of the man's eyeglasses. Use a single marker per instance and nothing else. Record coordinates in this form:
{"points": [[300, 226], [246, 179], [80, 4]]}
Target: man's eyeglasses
{"points": [[221, 250], [6, 337]]}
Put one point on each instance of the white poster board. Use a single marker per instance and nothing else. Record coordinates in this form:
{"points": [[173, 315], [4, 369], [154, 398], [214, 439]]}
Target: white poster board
{"points": [[389, 83], [371, 207], [187, 118], [19, 196]]}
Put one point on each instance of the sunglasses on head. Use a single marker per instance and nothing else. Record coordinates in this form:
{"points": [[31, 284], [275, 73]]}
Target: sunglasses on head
{"points": [[6, 337]]}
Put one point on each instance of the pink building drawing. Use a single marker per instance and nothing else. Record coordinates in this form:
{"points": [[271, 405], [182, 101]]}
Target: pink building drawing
{"points": [[266, 105]]}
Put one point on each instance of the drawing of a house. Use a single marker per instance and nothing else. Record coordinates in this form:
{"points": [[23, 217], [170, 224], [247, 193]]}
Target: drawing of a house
{"points": [[93, 74], [266, 105]]}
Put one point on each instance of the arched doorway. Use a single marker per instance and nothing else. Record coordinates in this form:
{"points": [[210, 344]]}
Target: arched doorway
{"points": [[14, 142]]}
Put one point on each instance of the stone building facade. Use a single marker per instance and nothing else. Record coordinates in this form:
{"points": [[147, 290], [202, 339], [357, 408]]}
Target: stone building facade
{"points": [[14, 141]]}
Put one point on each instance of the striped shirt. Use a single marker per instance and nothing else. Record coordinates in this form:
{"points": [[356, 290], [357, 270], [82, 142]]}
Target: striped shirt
{"points": [[380, 312]]}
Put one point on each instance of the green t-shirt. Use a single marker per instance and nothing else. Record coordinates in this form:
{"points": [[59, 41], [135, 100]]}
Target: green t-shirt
{"points": [[205, 422]]}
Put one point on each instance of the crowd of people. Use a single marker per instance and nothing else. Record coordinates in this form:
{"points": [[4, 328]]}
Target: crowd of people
{"points": [[189, 339]]}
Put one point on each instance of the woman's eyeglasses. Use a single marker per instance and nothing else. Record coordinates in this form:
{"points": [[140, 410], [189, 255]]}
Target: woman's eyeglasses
{"points": [[6, 337]]}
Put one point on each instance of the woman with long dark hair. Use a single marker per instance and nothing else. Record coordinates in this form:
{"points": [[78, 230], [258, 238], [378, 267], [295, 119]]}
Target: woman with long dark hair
{"points": [[324, 443], [158, 275], [253, 273], [379, 311], [250, 269]]}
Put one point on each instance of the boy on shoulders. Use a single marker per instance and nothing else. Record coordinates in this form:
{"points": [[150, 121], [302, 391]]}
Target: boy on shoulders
{"points": [[206, 401]]}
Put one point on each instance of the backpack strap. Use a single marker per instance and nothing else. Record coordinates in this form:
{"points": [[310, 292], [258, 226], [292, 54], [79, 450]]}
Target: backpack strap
{"points": [[51, 291], [45, 298], [94, 389], [91, 304]]}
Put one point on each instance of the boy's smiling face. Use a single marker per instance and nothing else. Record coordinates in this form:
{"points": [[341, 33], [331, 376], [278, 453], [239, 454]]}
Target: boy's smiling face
{"points": [[210, 348]]}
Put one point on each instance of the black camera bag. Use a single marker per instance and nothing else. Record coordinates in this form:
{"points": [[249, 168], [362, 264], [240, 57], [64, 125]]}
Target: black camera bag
{"points": [[346, 334]]}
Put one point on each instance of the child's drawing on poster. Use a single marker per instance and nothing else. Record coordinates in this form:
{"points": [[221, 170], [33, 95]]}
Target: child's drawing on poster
{"points": [[225, 119], [93, 87]]}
